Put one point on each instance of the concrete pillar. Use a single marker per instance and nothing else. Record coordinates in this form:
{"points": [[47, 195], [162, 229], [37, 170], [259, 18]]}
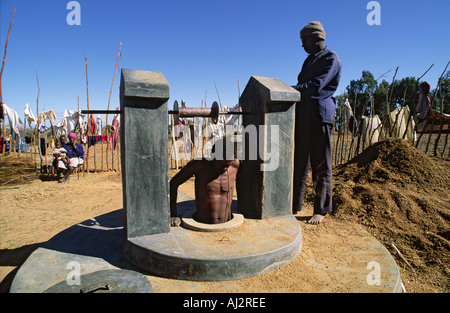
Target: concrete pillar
{"points": [[264, 182], [144, 146]]}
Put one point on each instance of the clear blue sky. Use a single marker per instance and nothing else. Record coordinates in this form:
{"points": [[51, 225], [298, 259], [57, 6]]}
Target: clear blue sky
{"points": [[196, 43]]}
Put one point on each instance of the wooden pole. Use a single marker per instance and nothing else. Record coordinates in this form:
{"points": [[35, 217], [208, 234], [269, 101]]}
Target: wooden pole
{"points": [[33, 139], [3, 147], [217, 91], [109, 101], [118, 149], [432, 103], [173, 143], [388, 104], [80, 130], [441, 112], [101, 143], [1, 75], [87, 131], [93, 146], [38, 123]]}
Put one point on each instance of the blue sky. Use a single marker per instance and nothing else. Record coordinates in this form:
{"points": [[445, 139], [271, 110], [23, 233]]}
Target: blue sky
{"points": [[196, 43]]}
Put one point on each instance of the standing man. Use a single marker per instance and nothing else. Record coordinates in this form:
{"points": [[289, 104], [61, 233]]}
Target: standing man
{"points": [[317, 82]]}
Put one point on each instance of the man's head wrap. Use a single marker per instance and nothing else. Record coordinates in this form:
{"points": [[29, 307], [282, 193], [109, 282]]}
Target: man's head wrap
{"points": [[314, 29], [73, 135]]}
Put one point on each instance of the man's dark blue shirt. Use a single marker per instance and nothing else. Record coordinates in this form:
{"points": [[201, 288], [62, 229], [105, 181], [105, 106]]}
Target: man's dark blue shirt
{"points": [[318, 80]]}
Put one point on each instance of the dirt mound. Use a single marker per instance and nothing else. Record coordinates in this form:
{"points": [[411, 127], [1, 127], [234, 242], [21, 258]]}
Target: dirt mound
{"points": [[402, 196]]}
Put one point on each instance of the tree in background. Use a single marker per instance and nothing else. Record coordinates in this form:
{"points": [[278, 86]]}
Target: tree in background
{"points": [[371, 97], [360, 92], [405, 92]]}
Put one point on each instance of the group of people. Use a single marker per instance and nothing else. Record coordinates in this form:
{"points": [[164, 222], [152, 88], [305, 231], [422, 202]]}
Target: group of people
{"points": [[317, 82], [68, 156]]}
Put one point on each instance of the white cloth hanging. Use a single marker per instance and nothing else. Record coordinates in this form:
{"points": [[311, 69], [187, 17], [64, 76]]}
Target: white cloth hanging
{"points": [[15, 123], [29, 115], [47, 115], [98, 126], [74, 117]]}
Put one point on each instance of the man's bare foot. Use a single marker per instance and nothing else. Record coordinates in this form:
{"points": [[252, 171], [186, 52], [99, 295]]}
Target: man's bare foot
{"points": [[316, 219]]}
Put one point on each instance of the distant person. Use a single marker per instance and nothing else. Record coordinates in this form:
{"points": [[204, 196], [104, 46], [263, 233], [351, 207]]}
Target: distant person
{"points": [[59, 154], [75, 153], [214, 185], [317, 82], [63, 139], [424, 104]]}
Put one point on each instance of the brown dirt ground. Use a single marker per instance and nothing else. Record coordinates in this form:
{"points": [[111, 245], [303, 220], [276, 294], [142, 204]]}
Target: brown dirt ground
{"points": [[392, 190]]}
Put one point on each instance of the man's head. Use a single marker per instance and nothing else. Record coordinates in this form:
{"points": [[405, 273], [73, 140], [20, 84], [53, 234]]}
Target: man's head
{"points": [[63, 139], [312, 36], [224, 151]]}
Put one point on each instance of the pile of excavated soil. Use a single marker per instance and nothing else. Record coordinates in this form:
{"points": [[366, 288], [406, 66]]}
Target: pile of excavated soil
{"points": [[402, 196]]}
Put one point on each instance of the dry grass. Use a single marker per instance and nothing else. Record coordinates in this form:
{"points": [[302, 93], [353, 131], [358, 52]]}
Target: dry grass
{"points": [[16, 170]]}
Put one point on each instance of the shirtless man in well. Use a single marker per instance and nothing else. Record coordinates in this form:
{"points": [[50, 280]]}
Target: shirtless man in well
{"points": [[214, 185]]}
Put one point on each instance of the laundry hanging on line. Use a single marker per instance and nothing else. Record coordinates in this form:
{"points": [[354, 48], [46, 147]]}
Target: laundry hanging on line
{"points": [[92, 140]]}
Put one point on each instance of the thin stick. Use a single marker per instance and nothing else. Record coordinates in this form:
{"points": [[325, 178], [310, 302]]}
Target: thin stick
{"points": [[109, 101], [388, 104], [175, 156], [441, 112], [440, 120], [101, 143], [95, 154], [4, 54], [426, 122], [1, 75], [79, 128], [87, 131], [38, 124], [403, 258], [425, 73], [218, 94], [118, 150], [382, 75], [4, 130], [431, 107], [239, 90]]}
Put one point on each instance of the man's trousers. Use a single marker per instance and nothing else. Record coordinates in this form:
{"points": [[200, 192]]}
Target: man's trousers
{"points": [[312, 149]]}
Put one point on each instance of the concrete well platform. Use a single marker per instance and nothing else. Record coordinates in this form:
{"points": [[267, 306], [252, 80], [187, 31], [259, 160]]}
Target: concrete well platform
{"points": [[254, 248], [97, 246]]}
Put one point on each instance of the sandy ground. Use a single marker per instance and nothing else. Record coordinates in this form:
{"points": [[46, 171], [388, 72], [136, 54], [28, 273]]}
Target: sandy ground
{"points": [[55, 207], [32, 213]]}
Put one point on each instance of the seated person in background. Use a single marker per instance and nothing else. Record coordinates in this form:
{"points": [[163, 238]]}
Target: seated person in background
{"points": [[60, 155], [63, 139], [214, 185], [75, 153]]}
